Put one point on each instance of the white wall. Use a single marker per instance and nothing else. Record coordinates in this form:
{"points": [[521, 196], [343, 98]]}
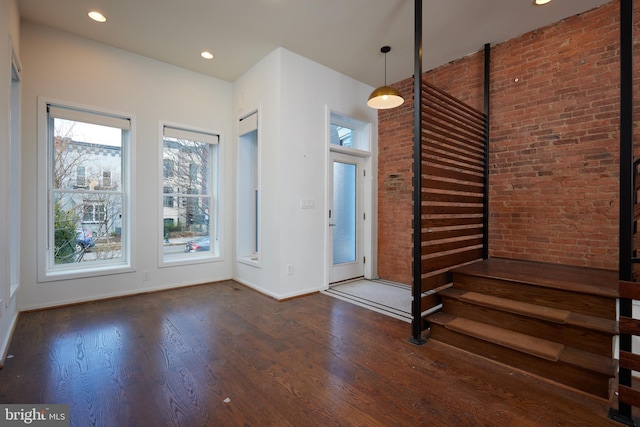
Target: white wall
{"points": [[9, 30], [260, 89], [293, 94], [64, 67]]}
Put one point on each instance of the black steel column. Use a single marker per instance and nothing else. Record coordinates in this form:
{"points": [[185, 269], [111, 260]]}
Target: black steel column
{"points": [[626, 185], [485, 201], [416, 307]]}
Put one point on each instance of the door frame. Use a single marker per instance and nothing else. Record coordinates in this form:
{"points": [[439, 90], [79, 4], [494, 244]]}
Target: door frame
{"points": [[369, 206]]}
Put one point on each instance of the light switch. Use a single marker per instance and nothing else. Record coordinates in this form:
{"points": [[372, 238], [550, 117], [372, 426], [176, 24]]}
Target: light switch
{"points": [[307, 204]]}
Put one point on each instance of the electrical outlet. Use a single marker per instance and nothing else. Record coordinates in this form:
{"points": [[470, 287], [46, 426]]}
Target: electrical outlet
{"points": [[289, 269], [145, 276]]}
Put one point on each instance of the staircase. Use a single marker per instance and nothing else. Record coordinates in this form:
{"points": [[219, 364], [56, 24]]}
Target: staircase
{"points": [[557, 322]]}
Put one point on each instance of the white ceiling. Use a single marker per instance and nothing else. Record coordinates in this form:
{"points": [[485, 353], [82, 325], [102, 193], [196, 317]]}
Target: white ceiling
{"points": [[345, 35]]}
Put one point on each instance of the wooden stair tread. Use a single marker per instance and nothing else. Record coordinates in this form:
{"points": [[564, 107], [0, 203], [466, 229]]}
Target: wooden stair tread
{"points": [[538, 347], [517, 307], [589, 361], [554, 315], [599, 324], [585, 280], [521, 342]]}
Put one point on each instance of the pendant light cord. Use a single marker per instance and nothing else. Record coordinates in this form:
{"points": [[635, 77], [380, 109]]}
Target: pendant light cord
{"points": [[385, 68]]}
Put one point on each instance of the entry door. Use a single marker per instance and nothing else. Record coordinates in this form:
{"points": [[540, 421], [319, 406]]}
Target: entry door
{"points": [[346, 218]]}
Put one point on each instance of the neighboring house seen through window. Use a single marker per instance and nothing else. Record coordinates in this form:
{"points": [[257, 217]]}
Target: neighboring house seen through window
{"points": [[189, 194]]}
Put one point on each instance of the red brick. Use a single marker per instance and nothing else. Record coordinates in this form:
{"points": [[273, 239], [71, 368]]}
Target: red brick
{"points": [[554, 153]]}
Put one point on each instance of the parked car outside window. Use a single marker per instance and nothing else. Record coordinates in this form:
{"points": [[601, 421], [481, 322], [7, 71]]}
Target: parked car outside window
{"points": [[199, 245]]}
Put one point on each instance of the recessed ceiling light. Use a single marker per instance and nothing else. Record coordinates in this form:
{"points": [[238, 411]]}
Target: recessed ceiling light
{"points": [[97, 16], [207, 55], [541, 2]]}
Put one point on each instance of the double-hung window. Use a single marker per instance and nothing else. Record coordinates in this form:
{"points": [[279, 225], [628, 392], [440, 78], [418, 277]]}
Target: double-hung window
{"points": [[189, 194], [87, 191]]}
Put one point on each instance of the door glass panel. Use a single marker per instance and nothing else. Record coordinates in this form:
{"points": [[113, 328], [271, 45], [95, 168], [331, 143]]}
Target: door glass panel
{"points": [[344, 213]]}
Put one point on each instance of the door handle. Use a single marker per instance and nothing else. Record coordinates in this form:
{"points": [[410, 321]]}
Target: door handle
{"points": [[332, 225]]}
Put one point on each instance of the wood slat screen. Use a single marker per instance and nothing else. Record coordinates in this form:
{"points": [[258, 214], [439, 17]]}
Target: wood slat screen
{"points": [[453, 138], [628, 360], [636, 219]]}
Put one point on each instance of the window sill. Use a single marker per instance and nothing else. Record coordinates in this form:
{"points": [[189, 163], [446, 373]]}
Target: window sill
{"points": [[54, 276], [188, 259], [253, 260]]}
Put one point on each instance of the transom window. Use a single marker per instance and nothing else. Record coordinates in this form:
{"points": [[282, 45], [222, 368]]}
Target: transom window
{"points": [[341, 135], [348, 133]]}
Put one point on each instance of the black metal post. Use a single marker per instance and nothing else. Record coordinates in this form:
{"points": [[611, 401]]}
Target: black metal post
{"points": [[485, 201], [416, 307], [626, 188]]}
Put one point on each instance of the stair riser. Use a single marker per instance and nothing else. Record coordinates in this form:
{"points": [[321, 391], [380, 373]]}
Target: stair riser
{"points": [[587, 381], [587, 340], [591, 305]]}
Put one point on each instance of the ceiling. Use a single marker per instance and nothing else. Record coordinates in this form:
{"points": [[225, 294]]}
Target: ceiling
{"points": [[345, 35]]}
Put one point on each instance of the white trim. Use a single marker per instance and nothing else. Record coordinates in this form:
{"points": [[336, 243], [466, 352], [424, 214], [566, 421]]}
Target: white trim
{"points": [[94, 298], [12, 179], [255, 259], [349, 151], [273, 294], [248, 123], [369, 188]]}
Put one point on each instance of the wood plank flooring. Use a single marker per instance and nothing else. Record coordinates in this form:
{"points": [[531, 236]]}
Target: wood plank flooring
{"points": [[222, 354]]}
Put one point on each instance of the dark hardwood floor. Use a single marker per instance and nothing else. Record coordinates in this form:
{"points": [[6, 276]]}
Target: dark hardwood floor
{"points": [[223, 355]]}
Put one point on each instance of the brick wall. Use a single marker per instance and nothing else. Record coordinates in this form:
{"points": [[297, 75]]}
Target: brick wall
{"points": [[554, 146], [395, 189]]}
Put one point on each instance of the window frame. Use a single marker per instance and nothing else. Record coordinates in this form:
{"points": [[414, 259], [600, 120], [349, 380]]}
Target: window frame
{"points": [[13, 180], [47, 271], [249, 191], [215, 198], [361, 143]]}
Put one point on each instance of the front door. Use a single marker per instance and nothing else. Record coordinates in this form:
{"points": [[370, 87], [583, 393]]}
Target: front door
{"points": [[346, 218]]}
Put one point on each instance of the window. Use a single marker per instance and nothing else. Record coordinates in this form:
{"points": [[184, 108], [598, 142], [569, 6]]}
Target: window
{"points": [[94, 213], [168, 168], [189, 194], [80, 177], [248, 190], [342, 136], [347, 132], [168, 200], [106, 179], [87, 182], [12, 211]]}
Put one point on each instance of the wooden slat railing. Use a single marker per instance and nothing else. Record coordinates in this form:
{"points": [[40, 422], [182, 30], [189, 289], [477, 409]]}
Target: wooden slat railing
{"points": [[452, 189], [628, 360]]}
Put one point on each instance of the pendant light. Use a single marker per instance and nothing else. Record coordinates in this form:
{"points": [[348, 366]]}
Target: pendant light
{"points": [[385, 96]]}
